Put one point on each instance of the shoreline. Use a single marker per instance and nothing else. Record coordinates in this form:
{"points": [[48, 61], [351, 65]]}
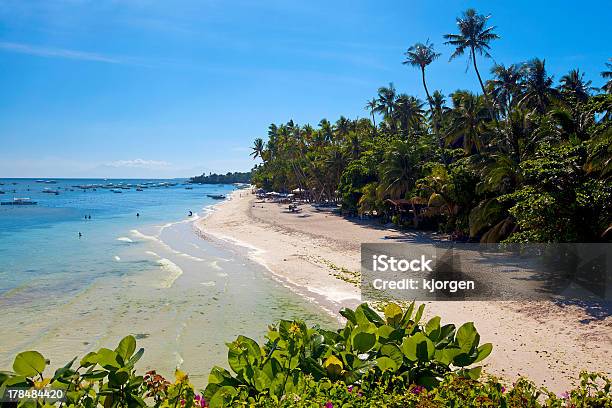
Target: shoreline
{"points": [[319, 253]]}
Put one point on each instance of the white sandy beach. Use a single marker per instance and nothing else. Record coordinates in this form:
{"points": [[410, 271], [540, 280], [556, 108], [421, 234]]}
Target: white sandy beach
{"points": [[317, 254]]}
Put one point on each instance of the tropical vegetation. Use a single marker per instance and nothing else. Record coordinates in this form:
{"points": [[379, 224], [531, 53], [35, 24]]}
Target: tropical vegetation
{"points": [[526, 159], [228, 178], [393, 359]]}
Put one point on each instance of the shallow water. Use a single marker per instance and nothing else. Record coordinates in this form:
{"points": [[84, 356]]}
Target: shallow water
{"points": [[151, 276]]}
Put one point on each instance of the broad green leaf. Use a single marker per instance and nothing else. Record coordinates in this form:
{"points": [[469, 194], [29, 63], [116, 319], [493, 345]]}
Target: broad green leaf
{"points": [[333, 366], [364, 314], [222, 396], [432, 328], [393, 314], [467, 337], [386, 363], [134, 359], [364, 341], [90, 359], [408, 314], [29, 363], [126, 347], [418, 347], [384, 332], [483, 352], [447, 355], [109, 359], [472, 373], [392, 351], [419, 314], [349, 315]]}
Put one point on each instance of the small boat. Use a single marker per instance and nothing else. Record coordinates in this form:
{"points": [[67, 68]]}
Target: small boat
{"points": [[49, 191], [188, 188], [19, 201], [2, 192], [216, 196], [139, 189]]}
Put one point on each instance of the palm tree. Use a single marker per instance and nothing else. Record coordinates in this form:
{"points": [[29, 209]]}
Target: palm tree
{"points": [[538, 90], [399, 168], [386, 99], [371, 106], [421, 55], [608, 74], [467, 121], [506, 86], [258, 148], [408, 112], [438, 101], [474, 37], [574, 85]]}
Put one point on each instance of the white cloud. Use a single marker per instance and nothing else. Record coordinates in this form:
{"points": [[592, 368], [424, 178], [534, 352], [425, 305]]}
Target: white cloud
{"points": [[139, 163], [57, 52]]}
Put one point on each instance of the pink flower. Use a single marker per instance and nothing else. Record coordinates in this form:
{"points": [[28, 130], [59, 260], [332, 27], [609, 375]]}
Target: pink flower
{"points": [[503, 389], [350, 388], [201, 401], [182, 403], [565, 395], [417, 389], [329, 405]]}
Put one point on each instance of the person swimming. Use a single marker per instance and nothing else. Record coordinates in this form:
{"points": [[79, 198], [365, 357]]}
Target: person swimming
{"points": [[137, 215], [190, 213], [80, 235]]}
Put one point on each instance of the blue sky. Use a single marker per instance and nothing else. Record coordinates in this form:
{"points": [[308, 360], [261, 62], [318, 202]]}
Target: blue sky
{"points": [[134, 88]]}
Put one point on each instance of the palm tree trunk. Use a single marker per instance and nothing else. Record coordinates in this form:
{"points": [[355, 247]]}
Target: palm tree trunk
{"points": [[484, 92], [431, 107]]}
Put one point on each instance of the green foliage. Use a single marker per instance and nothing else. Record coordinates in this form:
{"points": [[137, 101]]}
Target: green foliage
{"points": [[391, 391], [228, 178], [368, 346], [512, 163], [393, 360]]}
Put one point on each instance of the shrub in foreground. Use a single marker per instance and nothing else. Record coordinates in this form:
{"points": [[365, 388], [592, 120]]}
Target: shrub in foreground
{"points": [[373, 361]]}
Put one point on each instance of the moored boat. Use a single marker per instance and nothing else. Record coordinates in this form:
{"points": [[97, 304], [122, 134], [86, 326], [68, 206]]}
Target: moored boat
{"points": [[19, 201]]}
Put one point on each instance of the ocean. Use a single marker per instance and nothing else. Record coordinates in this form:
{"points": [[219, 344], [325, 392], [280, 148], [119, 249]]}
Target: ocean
{"points": [[80, 270]]}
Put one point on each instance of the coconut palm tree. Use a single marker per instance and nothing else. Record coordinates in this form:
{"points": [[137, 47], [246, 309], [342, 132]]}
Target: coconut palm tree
{"points": [[408, 112], [467, 121], [386, 99], [371, 107], [258, 148], [506, 86], [473, 37], [573, 85], [608, 74], [399, 168], [538, 90], [421, 55]]}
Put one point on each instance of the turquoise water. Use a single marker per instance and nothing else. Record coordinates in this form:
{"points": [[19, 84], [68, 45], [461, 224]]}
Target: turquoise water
{"points": [[40, 249], [151, 276]]}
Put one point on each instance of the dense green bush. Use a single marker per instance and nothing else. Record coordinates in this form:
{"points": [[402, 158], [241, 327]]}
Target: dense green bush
{"points": [[367, 345], [373, 361]]}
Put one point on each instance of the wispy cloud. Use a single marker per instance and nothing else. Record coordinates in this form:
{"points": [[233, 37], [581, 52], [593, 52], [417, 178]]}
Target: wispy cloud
{"points": [[139, 163], [58, 53]]}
